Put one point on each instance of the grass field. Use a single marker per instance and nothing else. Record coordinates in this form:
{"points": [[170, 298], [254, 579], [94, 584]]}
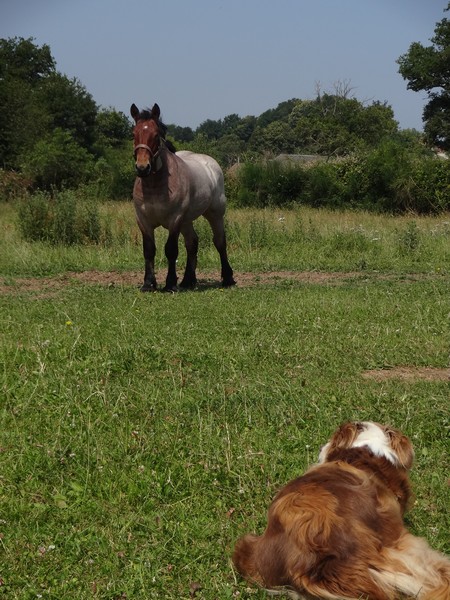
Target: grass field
{"points": [[141, 434]]}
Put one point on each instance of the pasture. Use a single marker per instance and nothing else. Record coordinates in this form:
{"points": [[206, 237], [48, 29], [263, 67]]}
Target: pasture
{"points": [[142, 434]]}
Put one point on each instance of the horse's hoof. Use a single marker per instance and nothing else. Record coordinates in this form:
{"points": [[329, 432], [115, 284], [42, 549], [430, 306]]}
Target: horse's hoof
{"points": [[148, 288], [188, 285], [171, 289], [228, 283]]}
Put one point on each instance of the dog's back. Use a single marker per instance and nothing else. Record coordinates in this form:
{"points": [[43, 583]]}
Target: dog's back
{"points": [[337, 532]]}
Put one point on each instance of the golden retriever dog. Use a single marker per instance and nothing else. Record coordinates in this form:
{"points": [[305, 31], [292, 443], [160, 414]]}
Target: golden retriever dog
{"points": [[337, 531]]}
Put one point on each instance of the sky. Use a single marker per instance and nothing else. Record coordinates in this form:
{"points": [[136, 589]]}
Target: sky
{"points": [[206, 59]]}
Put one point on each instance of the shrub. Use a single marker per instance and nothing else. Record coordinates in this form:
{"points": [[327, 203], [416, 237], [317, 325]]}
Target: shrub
{"points": [[58, 161], [113, 174], [13, 185], [270, 184], [323, 186], [395, 177], [35, 217], [64, 218], [432, 185]]}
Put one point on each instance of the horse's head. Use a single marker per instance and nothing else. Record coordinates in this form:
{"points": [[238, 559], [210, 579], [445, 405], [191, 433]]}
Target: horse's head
{"points": [[147, 139]]}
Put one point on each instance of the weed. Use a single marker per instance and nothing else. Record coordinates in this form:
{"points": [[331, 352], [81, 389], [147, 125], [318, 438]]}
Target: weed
{"points": [[409, 239]]}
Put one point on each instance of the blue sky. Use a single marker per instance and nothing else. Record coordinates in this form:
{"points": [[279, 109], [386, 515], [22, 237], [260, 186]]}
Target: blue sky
{"points": [[205, 59]]}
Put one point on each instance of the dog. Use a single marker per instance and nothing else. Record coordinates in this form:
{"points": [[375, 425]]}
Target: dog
{"points": [[337, 532]]}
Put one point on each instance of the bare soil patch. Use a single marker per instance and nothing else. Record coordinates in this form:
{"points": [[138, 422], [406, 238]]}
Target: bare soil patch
{"points": [[409, 373], [48, 286]]}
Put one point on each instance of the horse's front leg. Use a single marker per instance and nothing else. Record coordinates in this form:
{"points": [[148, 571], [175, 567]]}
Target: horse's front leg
{"points": [[149, 248], [171, 250], [191, 242]]}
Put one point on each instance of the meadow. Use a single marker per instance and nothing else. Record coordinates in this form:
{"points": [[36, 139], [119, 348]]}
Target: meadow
{"points": [[142, 434]]}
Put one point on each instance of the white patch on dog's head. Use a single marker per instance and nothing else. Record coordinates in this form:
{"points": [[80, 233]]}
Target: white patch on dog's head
{"points": [[359, 435], [375, 438]]}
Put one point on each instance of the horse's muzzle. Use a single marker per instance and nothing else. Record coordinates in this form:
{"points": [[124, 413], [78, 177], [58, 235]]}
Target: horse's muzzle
{"points": [[143, 171]]}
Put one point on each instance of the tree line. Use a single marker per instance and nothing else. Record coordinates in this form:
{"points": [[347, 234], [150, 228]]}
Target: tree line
{"points": [[53, 135]]}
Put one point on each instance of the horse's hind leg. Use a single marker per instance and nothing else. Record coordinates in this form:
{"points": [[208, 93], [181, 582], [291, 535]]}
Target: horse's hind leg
{"points": [[220, 242], [191, 242]]}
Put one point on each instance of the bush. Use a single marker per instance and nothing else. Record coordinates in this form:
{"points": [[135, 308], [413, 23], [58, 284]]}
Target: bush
{"points": [[35, 217], [64, 219], [270, 184], [58, 161], [324, 187], [114, 174], [394, 177], [13, 186]]}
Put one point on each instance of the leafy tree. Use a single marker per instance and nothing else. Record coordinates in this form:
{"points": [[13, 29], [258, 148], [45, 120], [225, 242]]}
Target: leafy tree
{"points": [[70, 107], [427, 68], [245, 128], [275, 138], [229, 123], [112, 128], [211, 129], [180, 134], [334, 124], [280, 113], [58, 160], [22, 118], [23, 121], [229, 148], [21, 59]]}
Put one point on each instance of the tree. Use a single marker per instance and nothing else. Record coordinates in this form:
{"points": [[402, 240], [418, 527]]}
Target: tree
{"points": [[275, 138], [213, 130], [70, 107], [280, 113], [427, 68], [21, 59], [112, 128], [180, 134], [334, 124], [23, 120], [57, 161]]}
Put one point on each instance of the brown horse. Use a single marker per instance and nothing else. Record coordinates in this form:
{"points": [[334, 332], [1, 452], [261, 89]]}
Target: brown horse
{"points": [[171, 190]]}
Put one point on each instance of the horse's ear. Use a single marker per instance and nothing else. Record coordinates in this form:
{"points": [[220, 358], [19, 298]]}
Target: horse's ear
{"points": [[134, 112], [156, 111]]}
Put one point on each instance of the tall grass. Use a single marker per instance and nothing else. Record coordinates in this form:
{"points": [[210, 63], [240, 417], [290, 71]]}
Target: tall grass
{"points": [[271, 239]]}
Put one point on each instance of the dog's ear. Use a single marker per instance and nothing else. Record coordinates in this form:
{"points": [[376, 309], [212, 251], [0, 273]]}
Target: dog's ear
{"points": [[341, 439], [345, 436], [401, 446]]}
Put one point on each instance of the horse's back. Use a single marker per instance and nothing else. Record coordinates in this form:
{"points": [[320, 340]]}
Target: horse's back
{"points": [[206, 176], [202, 164]]}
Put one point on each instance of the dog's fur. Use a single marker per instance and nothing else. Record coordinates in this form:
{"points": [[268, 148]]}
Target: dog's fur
{"points": [[337, 532]]}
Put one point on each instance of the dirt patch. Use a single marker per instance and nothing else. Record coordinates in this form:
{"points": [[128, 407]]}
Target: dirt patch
{"points": [[48, 286], [409, 374]]}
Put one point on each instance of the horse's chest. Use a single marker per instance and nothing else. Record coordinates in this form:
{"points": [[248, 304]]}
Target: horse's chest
{"points": [[155, 207]]}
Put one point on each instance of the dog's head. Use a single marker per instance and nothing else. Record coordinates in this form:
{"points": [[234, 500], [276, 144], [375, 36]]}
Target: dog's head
{"points": [[380, 440]]}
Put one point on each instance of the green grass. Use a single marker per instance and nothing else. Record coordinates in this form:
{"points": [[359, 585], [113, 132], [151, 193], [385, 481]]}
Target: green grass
{"points": [[259, 240], [141, 434]]}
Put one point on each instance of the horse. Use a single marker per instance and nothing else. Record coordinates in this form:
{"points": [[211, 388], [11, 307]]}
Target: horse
{"points": [[171, 190]]}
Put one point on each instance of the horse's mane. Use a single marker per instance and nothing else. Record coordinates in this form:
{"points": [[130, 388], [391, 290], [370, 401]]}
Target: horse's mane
{"points": [[145, 115]]}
